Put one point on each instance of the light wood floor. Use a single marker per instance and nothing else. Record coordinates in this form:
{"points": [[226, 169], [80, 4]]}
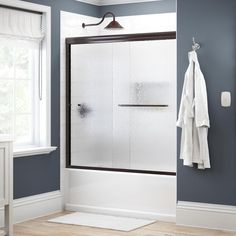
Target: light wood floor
{"points": [[40, 227]]}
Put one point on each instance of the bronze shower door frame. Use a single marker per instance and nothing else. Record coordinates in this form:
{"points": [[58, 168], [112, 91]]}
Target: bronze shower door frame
{"points": [[96, 40]]}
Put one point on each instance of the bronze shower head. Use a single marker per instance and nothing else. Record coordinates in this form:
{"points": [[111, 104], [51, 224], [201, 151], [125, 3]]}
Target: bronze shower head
{"points": [[111, 26]]}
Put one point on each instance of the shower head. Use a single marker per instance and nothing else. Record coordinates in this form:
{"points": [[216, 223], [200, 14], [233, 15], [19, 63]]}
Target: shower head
{"points": [[111, 26]]}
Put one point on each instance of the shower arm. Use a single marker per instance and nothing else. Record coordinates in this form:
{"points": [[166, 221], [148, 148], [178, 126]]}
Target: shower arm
{"points": [[100, 22]]}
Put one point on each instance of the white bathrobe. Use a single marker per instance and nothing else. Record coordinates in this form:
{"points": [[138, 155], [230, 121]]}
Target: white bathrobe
{"points": [[193, 117]]}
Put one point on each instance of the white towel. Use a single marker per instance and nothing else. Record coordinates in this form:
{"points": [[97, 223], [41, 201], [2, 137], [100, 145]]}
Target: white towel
{"points": [[193, 117]]}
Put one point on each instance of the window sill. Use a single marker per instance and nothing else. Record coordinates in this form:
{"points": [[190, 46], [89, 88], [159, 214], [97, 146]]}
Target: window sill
{"points": [[33, 151]]}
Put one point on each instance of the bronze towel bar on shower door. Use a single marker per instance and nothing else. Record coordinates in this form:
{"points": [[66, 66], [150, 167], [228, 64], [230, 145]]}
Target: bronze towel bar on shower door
{"points": [[142, 105], [137, 105]]}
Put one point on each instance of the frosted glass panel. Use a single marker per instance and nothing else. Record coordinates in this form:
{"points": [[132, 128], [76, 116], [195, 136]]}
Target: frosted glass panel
{"points": [[153, 130], [118, 123], [91, 123]]}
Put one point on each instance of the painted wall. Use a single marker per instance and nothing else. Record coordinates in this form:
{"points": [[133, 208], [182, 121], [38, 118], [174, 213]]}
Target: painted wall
{"points": [[155, 7], [40, 174], [214, 26]]}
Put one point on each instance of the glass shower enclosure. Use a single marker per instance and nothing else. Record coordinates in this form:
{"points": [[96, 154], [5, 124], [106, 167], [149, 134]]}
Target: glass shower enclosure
{"points": [[121, 103]]}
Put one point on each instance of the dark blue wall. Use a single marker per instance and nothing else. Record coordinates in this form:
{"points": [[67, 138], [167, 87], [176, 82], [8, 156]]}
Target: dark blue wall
{"points": [[140, 8], [40, 174], [213, 23]]}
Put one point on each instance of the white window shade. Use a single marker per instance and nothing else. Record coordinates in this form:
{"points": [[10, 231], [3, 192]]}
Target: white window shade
{"points": [[21, 24]]}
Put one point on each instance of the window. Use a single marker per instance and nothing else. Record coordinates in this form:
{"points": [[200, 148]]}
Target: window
{"points": [[19, 101], [24, 81]]}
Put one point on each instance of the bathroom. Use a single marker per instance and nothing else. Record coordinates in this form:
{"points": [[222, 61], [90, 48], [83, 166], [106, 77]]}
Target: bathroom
{"points": [[93, 142]]}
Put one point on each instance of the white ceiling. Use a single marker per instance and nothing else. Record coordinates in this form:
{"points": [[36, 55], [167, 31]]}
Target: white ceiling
{"points": [[114, 2]]}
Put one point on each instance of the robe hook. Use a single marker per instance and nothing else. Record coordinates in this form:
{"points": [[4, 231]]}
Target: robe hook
{"points": [[195, 45]]}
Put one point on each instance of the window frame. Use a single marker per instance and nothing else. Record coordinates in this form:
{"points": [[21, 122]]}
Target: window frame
{"points": [[44, 146]]}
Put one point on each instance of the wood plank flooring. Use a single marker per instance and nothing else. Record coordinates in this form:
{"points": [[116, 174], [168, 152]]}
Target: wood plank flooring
{"points": [[40, 227]]}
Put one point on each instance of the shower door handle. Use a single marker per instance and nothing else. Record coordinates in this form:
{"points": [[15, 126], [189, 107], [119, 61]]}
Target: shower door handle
{"points": [[83, 110]]}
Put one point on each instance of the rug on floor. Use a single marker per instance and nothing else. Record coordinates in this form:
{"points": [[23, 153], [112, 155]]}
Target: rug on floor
{"points": [[102, 221]]}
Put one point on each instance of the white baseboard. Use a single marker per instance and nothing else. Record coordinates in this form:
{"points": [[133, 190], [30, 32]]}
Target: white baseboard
{"points": [[121, 212], [211, 216], [35, 206]]}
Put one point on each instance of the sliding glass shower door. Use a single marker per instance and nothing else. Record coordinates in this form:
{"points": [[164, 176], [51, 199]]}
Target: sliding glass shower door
{"points": [[123, 105], [91, 105]]}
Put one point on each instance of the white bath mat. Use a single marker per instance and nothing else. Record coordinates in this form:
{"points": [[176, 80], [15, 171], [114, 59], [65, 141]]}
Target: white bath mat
{"points": [[102, 221]]}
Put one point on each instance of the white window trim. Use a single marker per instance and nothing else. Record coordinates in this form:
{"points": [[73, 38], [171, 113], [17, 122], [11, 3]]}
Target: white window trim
{"points": [[46, 10], [33, 151]]}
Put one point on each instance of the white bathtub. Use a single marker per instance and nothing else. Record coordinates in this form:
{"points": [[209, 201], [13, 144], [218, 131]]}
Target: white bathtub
{"points": [[124, 194]]}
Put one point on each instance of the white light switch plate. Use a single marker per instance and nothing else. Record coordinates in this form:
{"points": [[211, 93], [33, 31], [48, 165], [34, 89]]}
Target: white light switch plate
{"points": [[225, 99]]}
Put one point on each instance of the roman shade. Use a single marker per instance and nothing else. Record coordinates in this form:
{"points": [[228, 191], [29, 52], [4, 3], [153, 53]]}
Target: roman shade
{"points": [[21, 24]]}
